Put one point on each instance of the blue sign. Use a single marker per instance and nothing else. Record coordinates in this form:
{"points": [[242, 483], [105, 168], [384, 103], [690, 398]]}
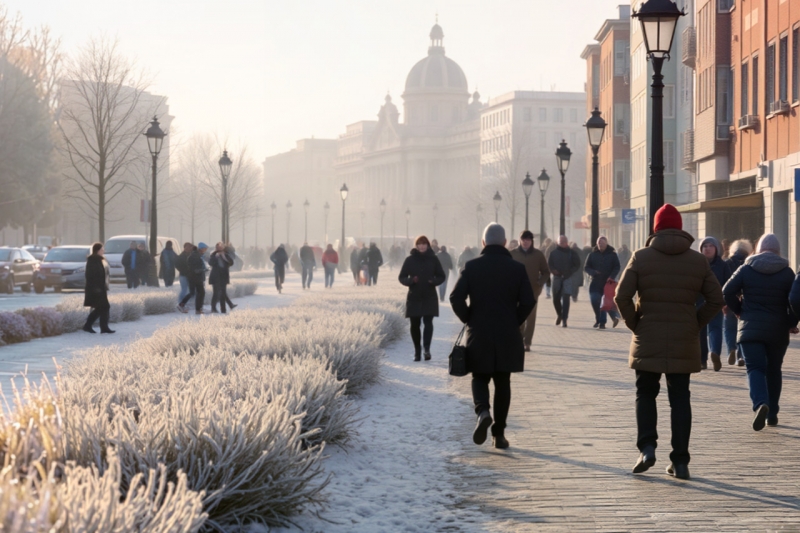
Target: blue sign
{"points": [[629, 216], [797, 185]]}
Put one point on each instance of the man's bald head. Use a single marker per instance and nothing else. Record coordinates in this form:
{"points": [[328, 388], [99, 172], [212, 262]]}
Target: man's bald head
{"points": [[563, 242]]}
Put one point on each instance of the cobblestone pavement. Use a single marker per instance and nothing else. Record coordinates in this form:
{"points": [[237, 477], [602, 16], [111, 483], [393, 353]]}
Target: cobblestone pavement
{"points": [[572, 432]]}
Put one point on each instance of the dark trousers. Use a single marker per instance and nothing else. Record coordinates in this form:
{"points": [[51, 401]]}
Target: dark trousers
{"points": [[280, 277], [101, 313], [561, 303], [427, 335], [220, 295], [648, 385], [502, 397], [764, 374], [199, 292], [356, 274], [308, 275], [600, 316], [132, 278], [169, 279], [373, 277]]}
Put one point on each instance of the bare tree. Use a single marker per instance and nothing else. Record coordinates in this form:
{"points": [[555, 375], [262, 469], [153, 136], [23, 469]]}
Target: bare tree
{"points": [[189, 188], [102, 118]]}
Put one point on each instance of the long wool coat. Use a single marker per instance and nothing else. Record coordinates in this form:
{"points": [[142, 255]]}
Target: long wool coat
{"points": [[422, 299], [97, 277]]}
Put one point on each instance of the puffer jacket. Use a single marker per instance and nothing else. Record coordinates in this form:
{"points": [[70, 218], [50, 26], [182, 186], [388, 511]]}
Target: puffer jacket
{"points": [[601, 266], [764, 284], [668, 276]]}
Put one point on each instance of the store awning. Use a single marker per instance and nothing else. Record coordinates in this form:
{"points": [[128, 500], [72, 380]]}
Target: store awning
{"points": [[743, 201]]}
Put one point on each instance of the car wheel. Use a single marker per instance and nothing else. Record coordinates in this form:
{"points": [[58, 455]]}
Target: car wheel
{"points": [[10, 285], [57, 288], [38, 287], [26, 287]]}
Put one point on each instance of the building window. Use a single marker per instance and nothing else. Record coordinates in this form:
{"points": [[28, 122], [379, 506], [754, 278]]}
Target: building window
{"points": [[595, 83], [783, 66], [622, 56], [744, 87], [724, 6], [558, 115], [527, 114], [621, 119], [754, 77], [769, 78], [669, 157], [724, 96], [573, 115], [669, 101], [795, 63], [622, 169], [542, 114]]}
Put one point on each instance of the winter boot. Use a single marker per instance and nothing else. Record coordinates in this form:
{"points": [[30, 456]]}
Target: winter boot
{"points": [[484, 421]]}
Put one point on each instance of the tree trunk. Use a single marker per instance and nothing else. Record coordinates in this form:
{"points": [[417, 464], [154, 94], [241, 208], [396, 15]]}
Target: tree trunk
{"points": [[101, 212]]}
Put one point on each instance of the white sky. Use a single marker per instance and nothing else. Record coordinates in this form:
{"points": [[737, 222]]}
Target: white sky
{"points": [[270, 72]]}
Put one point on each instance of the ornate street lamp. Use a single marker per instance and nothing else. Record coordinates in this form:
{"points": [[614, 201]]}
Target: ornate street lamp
{"points": [[544, 183], [527, 188], [595, 127], [305, 232], [658, 19], [155, 140], [288, 220], [498, 200], [274, 209], [383, 212], [563, 154], [225, 165], [435, 213], [408, 217], [327, 209], [343, 191]]}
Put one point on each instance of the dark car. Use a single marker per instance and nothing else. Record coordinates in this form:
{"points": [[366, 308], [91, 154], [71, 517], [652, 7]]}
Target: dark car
{"points": [[17, 268], [36, 250], [63, 267]]}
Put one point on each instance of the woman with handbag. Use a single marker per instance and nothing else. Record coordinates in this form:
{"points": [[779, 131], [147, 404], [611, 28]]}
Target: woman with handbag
{"points": [[422, 273], [96, 297]]}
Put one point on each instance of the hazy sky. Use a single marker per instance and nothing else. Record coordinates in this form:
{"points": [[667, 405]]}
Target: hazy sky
{"points": [[271, 72]]}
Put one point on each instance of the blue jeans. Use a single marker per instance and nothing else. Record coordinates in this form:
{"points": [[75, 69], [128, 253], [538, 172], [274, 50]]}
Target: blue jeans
{"points": [[600, 316], [763, 362], [731, 324], [308, 275], [711, 337], [184, 281], [330, 272]]}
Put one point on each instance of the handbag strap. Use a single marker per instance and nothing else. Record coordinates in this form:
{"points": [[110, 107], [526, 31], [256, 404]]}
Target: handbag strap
{"points": [[460, 335]]}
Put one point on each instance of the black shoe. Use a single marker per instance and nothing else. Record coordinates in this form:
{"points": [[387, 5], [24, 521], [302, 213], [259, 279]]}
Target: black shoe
{"points": [[602, 326], [484, 421], [761, 417], [214, 311], [772, 420], [646, 459], [564, 323], [616, 321], [596, 325], [679, 471], [732, 357], [703, 366], [89, 329], [499, 442], [558, 321], [716, 361], [427, 355], [740, 362], [107, 331], [233, 306], [417, 356]]}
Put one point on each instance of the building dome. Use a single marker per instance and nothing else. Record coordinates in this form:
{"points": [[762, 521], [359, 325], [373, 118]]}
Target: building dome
{"points": [[436, 71]]}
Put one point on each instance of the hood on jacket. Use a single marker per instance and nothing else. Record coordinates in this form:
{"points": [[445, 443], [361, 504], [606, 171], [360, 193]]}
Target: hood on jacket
{"points": [[609, 248], [715, 242], [671, 241], [767, 263]]}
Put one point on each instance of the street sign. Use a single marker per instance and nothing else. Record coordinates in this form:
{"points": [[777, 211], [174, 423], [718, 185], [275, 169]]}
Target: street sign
{"points": [[797, 185], [629, 217], [144, 211]]}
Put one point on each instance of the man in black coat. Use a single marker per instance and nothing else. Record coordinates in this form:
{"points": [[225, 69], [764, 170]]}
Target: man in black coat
{"points": [[374, 263], [307, 263], [500, 299], [143, 259], [601, 265], [196, 270], [563, 262], [447, 265], [96, 297], [130, 260], [279, 259]]}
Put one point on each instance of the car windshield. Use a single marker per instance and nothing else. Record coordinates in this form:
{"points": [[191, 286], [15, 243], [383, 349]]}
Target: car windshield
{"points": [[5, 254], [118, 246], [67, 255]]}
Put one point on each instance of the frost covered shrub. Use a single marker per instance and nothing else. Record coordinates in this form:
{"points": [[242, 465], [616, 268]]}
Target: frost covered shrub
{"points": [[159, 302], [237, 289], [43, 321], [252, 274], [14, 328]]}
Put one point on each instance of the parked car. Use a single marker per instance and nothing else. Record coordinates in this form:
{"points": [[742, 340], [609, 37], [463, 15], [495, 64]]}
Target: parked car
{"points": [[63, 267], [17, 268], [36, 250], [116, 246]]}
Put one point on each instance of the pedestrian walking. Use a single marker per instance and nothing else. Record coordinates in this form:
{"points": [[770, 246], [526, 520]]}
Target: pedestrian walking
{"points": [[279, 260], [760, 293], [466, 255], [143, 264], [421, 273], [547, 247], [330, 261], [447, 265], [711, 335], [667, 275], [167, 263], [183, 270], [538, 274], [220, 277], [374, 262], [96, 294], [500, 300], [563, 263], [602, 265], [624, 255], [739, 251], [196, 270], [129, 262], [355, 265], [308, 263]]}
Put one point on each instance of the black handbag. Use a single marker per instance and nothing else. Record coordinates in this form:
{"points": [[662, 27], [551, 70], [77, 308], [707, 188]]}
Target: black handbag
{"points": [[458, 357]]}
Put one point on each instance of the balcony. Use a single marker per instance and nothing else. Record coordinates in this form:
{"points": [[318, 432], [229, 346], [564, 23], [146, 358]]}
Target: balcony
{"points": [[779, 107], [688, 150], [689, 47], [748, 122]]}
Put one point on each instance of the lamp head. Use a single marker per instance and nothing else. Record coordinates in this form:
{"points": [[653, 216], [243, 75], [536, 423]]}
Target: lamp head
{"points": [[658, 18], [544, 181], [563, 154], [343, 191], [225, 165], [527, 185], [595, 127], [155, 137]]}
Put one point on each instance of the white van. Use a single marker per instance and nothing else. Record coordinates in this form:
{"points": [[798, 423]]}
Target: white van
{"points": [[116, 246]]}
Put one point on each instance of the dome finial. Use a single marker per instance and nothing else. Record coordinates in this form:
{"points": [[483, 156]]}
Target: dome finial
{"points": [[437, 35]]}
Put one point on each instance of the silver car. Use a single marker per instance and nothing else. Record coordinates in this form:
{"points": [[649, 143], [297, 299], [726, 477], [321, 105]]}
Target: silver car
{"points": [[64, 267]]}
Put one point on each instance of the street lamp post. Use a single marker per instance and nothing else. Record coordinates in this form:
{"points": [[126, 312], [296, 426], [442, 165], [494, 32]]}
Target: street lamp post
{"points": [[408, 217], [305, 228], [383, 212], [343, 191], [544, 183], [527, 188], [563, 154], [288, 220], [274, 209], [225, 165], [327, 209], [498, 200], [595, 127], [435, 214], [658, 19], [155, 140]]}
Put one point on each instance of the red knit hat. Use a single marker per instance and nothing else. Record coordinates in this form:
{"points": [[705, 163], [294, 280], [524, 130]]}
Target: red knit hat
{"points": [[667, 218]]}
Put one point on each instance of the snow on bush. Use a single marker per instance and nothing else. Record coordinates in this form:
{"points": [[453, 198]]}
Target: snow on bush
{"points": [[43, 321], [14, 328]]}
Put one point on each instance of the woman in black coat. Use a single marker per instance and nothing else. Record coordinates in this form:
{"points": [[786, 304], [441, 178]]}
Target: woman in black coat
{"points": [[422, 273], [96, 297]]}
